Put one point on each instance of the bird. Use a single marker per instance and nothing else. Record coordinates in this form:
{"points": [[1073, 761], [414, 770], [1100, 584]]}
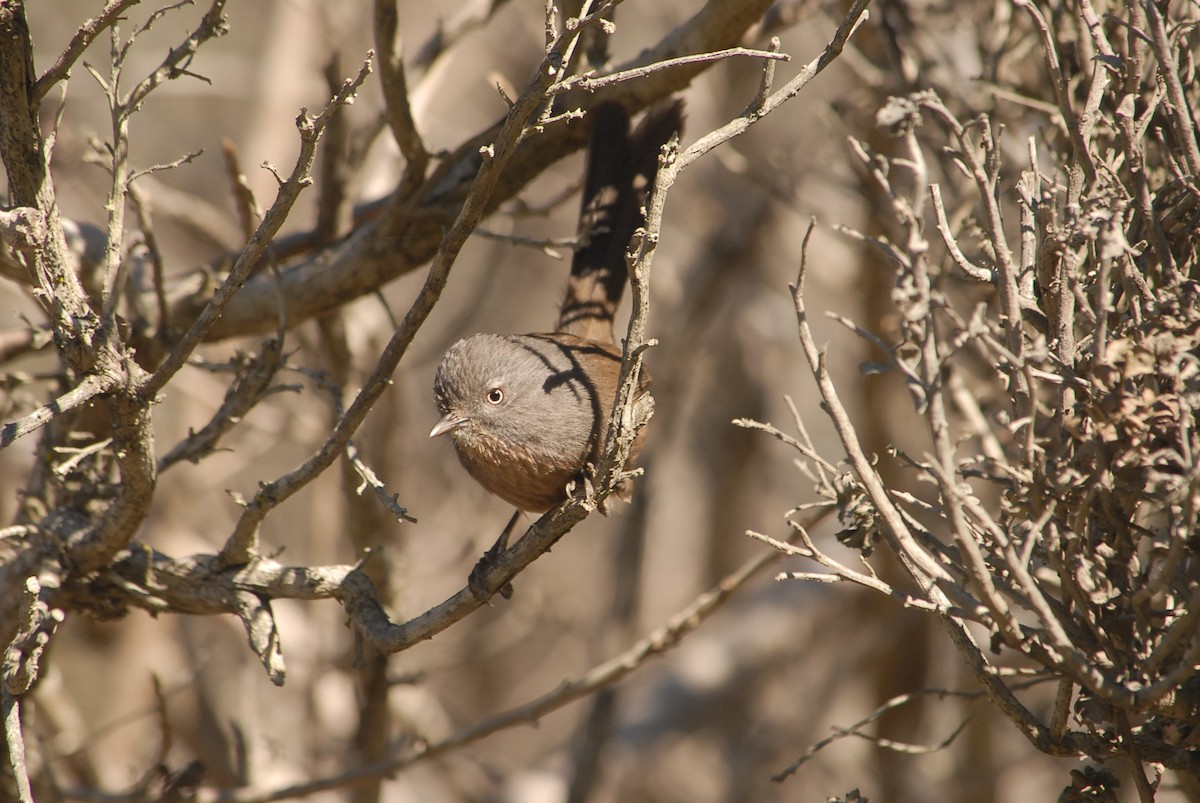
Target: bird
{"points": [[527, 413]]}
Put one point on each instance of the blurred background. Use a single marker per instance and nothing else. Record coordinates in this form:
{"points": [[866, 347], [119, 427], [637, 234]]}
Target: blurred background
{"points": [[776, 670]]}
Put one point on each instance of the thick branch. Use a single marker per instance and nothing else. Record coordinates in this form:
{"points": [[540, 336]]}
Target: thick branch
{"points": [[23, 151], [405, 233]]}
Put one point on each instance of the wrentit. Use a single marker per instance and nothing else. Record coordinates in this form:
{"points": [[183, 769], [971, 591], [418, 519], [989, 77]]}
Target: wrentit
{"points": [[527, 413]]}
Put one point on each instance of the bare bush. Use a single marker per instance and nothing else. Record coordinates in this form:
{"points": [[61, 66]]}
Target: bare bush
{"points": [[1060, 402]]}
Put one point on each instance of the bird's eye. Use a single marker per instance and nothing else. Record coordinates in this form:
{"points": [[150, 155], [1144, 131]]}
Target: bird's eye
{"points": [[495, 396]]}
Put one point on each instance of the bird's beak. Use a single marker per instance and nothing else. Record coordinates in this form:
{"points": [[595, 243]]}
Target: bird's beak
{"points": [[450, 422]]}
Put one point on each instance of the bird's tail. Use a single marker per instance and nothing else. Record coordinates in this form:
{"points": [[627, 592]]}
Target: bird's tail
{"points": [[621, 166]]}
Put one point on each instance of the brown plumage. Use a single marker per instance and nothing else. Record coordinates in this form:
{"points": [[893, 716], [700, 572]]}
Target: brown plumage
{"points": [[526, 413]]}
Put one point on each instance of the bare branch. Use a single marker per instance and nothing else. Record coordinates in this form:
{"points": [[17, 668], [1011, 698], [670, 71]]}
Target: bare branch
{"points": [[84, 36], [589, 83], [85, 391], [394, 82]]}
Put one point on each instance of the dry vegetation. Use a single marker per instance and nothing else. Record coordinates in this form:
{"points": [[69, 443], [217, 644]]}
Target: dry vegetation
{"points": [[216, 392]]}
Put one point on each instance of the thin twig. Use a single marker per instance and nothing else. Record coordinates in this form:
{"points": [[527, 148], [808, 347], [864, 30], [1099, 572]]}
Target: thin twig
{"points": [[943, 227], [808, 549], [10, 707], [589, 83], [892, 704], [88, 389]]}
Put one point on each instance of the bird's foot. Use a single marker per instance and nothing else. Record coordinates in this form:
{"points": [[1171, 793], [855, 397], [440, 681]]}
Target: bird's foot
{"points": [[477, 581]]}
